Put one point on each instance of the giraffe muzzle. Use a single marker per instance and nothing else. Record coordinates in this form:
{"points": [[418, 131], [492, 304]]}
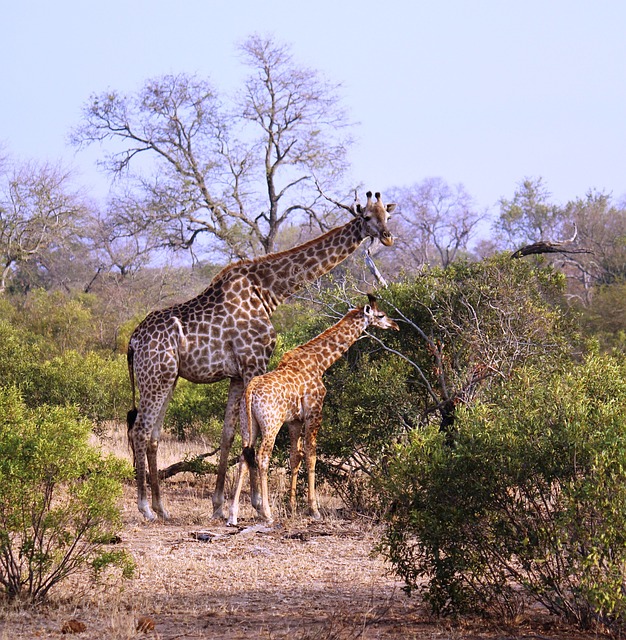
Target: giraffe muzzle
{"points": [[386, 238]]}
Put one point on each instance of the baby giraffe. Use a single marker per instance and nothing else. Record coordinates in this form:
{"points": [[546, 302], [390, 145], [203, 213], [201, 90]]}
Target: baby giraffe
{"points": [[294, 393]]}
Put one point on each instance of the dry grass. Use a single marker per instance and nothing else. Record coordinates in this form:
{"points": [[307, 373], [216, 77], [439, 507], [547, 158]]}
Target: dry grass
{"points": [[298, 580]]}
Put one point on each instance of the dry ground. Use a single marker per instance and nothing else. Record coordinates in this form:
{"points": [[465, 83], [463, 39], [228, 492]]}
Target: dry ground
{"points": [[200, 579]]}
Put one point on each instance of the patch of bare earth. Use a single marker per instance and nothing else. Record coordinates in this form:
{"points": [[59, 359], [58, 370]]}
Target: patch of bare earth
{"points": [[197, 578]]}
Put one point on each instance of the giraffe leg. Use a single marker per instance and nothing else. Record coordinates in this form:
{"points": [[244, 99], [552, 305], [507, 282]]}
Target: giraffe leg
{"points": [[234, 504], [255, 493], [157, 503], [253, 433], [263, 463], [310, 446], [246, 463], [159, 407], [266, 512], [140, 447], [296, 454], [235, 393]]}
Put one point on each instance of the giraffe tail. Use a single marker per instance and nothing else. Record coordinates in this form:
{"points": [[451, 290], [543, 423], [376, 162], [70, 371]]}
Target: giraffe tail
{"points": [[248, 424], [131, 416], [249, 456]]}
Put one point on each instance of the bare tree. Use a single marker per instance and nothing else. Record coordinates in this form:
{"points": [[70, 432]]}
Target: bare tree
{"points": [[39, 212], [206, 161], [124, 240], [436, 221]]}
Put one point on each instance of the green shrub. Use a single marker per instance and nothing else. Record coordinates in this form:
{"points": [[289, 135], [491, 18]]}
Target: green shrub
{"points": [[197, 410], [368, 408], [462, 329], [98, 385], [64, 321], [58, 498], [529, 503], [19, 353]]}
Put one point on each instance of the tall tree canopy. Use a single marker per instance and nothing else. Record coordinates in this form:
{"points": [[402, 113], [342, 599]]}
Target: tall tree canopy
{"points": [[231, 170]]}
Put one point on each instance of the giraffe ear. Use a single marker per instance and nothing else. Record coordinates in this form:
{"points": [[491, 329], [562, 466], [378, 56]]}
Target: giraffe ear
{"points": [[367, 311], [391, 207], [358, 209]]}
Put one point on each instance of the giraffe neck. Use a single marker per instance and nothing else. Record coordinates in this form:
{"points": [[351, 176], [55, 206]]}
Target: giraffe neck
{"points": [[330, 345], [282, 274]]}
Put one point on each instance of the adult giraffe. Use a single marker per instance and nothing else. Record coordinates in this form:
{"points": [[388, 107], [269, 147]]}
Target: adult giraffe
{"points": [[226, 332]]}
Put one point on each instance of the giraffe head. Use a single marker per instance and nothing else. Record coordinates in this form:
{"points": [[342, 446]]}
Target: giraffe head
{"points": [[376, 215], [376, 317]]}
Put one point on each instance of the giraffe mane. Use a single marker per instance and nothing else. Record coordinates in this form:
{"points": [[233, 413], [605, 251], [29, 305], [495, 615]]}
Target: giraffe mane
{"points": [[248, 262], [311, 344]]}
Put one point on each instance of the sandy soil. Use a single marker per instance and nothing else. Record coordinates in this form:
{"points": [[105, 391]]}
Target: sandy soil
{"points": [[197, 578]]}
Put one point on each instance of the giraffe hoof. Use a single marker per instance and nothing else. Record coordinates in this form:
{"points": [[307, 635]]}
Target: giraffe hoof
{"points": [[148, 514], [218, 514]]}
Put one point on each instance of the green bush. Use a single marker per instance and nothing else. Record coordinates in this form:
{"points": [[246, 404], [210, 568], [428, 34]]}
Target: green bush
{"points": [[368, 407], [529, 503], [63, 321], [461, 330], [197, 410], [98, 385], [58, 498]]}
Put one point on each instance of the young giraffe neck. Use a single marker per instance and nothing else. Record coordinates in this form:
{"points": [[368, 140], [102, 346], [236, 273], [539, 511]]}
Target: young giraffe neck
{"points": [[282, 274], [330, 345]]}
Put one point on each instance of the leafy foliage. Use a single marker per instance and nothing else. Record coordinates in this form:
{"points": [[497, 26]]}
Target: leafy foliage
{"points": [[97, 385], [94, 383], [197, 410], [463, 329], [58, 498], [62, 321], [532, 493]]}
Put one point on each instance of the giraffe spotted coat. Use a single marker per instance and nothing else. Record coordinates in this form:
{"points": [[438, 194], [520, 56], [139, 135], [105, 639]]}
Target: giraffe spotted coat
{"points": [[226, 332], [293, 393]]}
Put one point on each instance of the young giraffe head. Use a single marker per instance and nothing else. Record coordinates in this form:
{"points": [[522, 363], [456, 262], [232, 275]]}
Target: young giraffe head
{"points": [[376, 215], [376, 317]]}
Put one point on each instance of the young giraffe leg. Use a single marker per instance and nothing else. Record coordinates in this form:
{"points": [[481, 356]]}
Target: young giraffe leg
{"points": [[235, 393], [234, 505], [310, 454], [296, 455], [263, 463], [247, 463]]}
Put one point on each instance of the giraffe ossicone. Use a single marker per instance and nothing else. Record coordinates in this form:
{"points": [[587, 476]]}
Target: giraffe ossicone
{"points": [[293, 393], [226, 332]]}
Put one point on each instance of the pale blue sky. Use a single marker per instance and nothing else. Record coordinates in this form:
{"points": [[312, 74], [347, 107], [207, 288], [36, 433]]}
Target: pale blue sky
{"points": [[481, 92]]}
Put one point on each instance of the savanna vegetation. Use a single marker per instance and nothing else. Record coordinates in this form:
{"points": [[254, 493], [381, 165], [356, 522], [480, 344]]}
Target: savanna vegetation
{"points": [[488, 437]]}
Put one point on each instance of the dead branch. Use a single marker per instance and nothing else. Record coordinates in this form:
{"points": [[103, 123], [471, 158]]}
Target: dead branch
{"points": [[339, 205], [563, 246], [195, 465]]}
